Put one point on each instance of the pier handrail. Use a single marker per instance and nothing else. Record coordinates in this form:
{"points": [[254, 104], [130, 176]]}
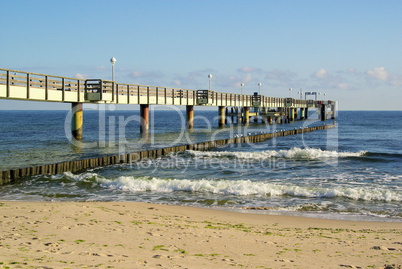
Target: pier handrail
{"points": [[11, 77]]}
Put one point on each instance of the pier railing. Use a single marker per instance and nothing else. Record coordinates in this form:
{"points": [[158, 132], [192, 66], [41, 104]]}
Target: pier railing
{"points": [[21, 85]]}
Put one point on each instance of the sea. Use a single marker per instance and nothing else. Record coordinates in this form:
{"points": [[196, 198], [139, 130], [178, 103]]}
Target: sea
{"points": [[350, 172]]}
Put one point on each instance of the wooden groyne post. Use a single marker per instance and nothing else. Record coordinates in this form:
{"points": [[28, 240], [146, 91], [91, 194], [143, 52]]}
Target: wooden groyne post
{"points": [[10, 176]]}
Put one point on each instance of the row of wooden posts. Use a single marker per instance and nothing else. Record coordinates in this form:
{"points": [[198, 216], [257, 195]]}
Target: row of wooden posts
{"points": [[10, 176]]}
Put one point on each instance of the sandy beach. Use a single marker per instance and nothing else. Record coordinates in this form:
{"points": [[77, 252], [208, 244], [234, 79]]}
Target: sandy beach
{"points": [[136, 235]]}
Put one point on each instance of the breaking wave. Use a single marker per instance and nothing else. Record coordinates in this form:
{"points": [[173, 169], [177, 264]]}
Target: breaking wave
{"points": [[236, 187], [294, 153]]}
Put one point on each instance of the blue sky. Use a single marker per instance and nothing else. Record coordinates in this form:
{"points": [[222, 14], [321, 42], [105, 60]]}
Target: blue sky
{"points": [[351, 50]]}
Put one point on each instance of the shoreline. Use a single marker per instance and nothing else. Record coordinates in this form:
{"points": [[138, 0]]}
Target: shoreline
{"points": [[330, 216], [134, 234]]}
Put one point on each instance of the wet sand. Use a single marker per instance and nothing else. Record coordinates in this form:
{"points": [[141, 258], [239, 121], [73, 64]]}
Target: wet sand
{"points": [[136, 235]]}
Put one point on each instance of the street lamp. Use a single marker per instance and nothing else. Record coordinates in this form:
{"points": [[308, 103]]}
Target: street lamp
{"points": [[290, 92], [113, 60], [301, 94], [209, 76], [319, 94], [259, 85], [241, 84], [325, 96]]}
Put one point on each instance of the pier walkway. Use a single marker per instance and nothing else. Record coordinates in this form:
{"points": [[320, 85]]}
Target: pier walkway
{"points": [[19, 85]]}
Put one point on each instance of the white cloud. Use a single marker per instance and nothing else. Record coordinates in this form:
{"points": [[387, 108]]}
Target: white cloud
{"points": [[81, 76], [351, 70], [100, 68], [136, 74], [322, 73], [176, 82], [148, 74], [247, 69], [343, 86], [284, 76], [378, 73], [396, 80]]}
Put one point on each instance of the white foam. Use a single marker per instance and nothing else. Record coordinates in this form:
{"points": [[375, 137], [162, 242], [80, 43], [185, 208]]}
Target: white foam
{"points": [[238, 187], [293, 153]]}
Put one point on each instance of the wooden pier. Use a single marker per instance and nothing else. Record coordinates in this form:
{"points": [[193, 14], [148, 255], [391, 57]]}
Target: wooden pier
{"points": [[19, 85]]}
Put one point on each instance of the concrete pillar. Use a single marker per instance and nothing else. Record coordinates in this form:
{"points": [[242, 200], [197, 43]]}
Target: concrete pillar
{"points": [[144, 113], [232, 117], [280, 118], [270, 120], [226, 116], [302, 113], [306, 113], [77, 120], [190, 117], [246, 115], [221, 118], [291, 114], [323, 112], [256, 116]]}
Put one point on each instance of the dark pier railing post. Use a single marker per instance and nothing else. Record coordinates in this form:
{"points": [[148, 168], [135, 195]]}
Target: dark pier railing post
{"points": [[77, 120]]}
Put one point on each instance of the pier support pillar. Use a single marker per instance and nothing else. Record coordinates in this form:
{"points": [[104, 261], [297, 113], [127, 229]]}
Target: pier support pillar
{"points": [[291, 114], [270, 120], [246, 115], [280, 118], [190, 117], [306, 113], [302, 113], [144, 113], [333, 111], [256, 115], [221, 118], [77, 120], [323, 112]]}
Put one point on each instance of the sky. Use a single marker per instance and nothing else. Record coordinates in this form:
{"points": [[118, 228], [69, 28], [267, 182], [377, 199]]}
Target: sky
{"points": [[350, 50]]}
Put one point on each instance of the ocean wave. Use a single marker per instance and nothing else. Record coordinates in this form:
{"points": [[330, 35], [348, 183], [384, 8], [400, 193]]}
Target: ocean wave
{"points": [[237, 188], [293, 153]]}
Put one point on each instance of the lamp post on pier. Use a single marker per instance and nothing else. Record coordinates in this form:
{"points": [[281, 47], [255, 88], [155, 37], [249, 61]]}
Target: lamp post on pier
{"points": [[210, 77], [259, 85], [113, 61], [290, 92], [242, 84]]}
